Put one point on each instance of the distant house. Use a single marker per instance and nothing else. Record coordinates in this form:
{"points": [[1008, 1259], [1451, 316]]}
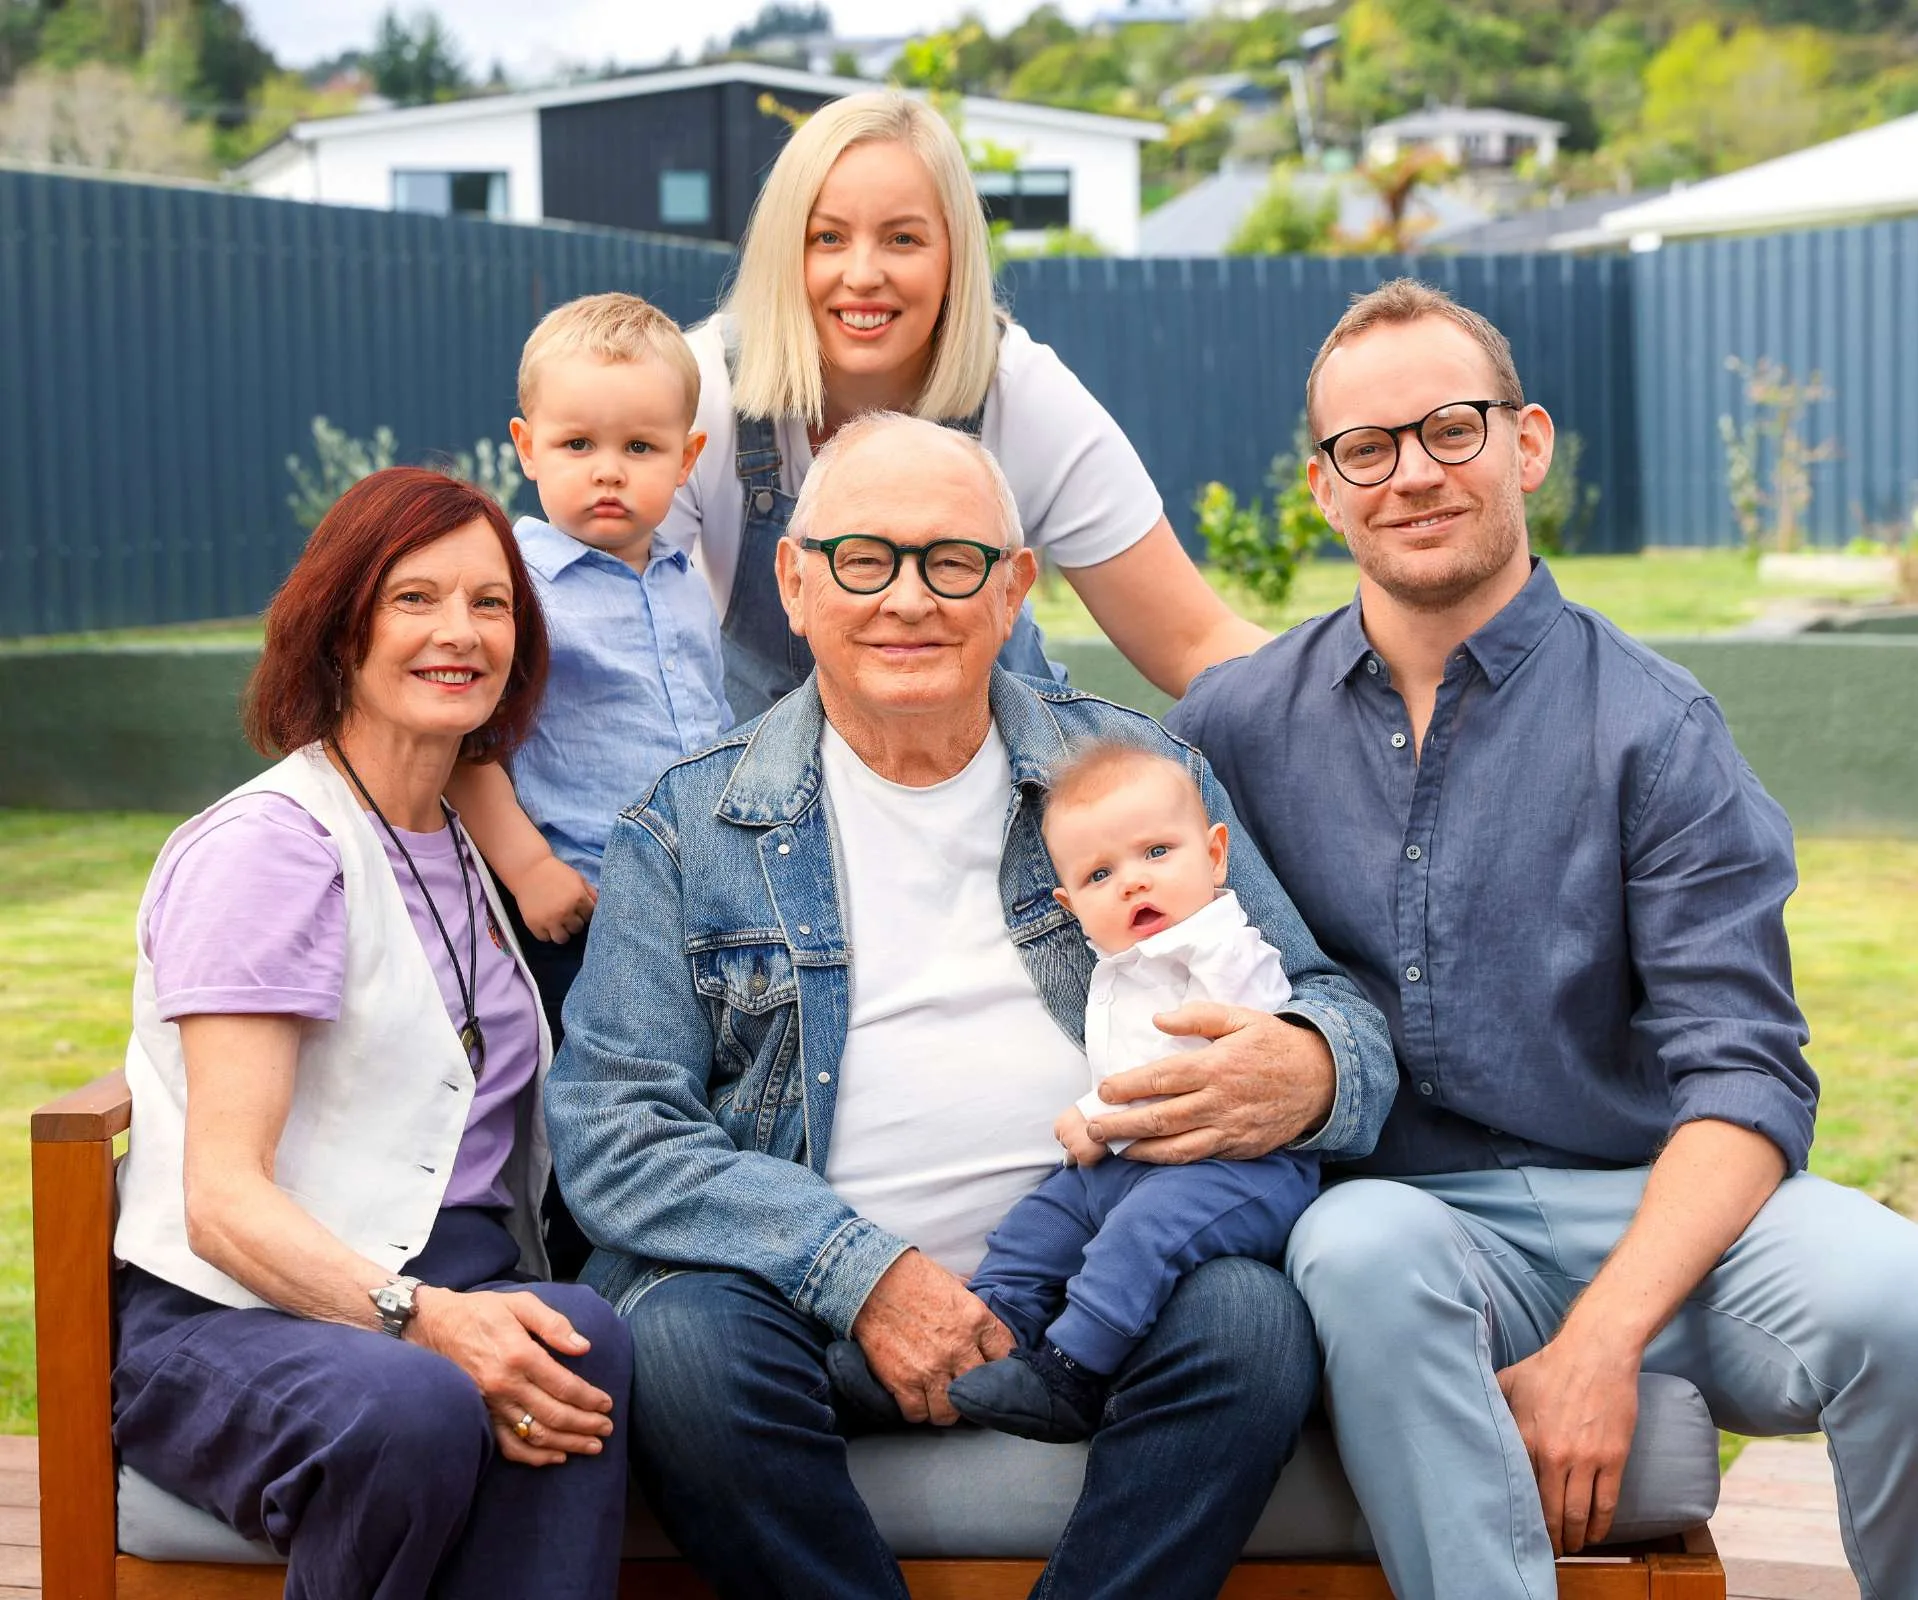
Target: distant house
{"points": [[678, 152], [1203, 220], [1862, 177], [1467, 136]]}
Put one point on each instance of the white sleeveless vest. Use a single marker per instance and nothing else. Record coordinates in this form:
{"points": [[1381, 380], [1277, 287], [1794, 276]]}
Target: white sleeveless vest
{"points": [[380, 1097]]}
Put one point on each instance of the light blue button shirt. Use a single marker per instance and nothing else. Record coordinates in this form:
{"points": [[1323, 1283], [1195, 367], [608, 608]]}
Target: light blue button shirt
{"points": [[636, 682]]}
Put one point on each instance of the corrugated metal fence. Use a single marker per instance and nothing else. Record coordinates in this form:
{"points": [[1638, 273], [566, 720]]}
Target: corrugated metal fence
{"points": [[162, 350]]}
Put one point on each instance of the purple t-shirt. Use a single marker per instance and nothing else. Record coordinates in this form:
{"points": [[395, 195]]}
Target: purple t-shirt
{"points": [[249, 917]]}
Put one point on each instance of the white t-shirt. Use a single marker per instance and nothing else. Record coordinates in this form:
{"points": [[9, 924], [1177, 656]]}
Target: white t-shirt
{"points": [[1083, 493], [954, 1071]]}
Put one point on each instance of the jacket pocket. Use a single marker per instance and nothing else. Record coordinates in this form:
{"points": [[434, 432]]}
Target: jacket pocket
{"points": [[752, 995]]}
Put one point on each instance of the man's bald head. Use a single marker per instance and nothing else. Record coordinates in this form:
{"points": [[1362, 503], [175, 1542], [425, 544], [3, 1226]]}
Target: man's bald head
{"points": [[877, 451]]}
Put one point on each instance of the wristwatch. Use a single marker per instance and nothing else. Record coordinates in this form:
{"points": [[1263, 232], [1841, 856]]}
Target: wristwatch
{"points": [[394, 1302]]}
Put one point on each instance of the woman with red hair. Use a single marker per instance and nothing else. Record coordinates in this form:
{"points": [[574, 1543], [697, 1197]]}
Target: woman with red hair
{"points": [[333, 1332]]}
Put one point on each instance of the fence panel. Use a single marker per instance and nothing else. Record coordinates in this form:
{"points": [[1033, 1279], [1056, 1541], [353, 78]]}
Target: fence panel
{"points": [[1841, 302], [1203, 363], [163, 350]]}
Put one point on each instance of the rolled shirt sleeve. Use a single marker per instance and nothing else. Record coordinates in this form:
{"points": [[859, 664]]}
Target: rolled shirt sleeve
{"points": [[1708, 871]]}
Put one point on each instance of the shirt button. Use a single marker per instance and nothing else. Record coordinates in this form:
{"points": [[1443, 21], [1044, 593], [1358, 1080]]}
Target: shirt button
{"points": [[1412, 974], [1413, 852], [1398, 741], [825, 1077], [785, 849], [1425, 1088], [1372, 665], [805, 927]]}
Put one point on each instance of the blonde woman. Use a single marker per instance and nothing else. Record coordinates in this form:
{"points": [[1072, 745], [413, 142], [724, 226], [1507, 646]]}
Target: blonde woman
{"points": [[865, 284]]}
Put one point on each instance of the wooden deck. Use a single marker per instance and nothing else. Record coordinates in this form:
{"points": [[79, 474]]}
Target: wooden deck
{"points": [[1777, 1524]]}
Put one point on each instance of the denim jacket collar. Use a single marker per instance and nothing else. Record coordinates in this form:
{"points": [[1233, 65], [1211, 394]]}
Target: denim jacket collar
{"points": [[779, 777]]}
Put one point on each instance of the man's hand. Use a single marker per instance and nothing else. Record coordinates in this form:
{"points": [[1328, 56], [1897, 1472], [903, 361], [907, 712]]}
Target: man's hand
{"points": [[554, 900], [1260, 1084], [920, 1328], [1576, 1403], [501, 1341], [1082, 1150]]}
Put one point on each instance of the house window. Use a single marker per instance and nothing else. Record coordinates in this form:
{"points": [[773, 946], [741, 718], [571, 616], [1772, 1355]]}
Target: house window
{"points": [[451, 194], [1031, 198], [685, 199]]}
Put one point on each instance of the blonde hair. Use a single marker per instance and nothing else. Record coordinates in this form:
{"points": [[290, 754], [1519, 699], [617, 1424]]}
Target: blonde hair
{"points": [[608, 327], [870, 426], [1407, 300], [1092, 768], [778, 372]]}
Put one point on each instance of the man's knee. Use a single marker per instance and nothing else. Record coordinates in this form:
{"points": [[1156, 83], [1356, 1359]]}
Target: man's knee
{"points": [[1241, 1324], [422, 1423], [609, 1363], [1361, 1244]]}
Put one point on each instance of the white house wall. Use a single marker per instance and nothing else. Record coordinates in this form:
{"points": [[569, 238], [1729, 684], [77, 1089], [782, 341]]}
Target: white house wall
{"points": [[356, 169], [1105, 174]]}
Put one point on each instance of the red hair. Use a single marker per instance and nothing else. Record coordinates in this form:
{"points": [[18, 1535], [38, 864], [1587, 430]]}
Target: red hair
{"points": [[319, 625]]}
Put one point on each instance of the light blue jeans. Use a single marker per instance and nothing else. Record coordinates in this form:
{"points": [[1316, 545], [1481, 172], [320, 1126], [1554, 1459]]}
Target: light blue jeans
{"points": [[1423, 1288]]}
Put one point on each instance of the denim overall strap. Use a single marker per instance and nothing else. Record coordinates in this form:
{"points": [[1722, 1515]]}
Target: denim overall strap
{"points": [[764, 657]]}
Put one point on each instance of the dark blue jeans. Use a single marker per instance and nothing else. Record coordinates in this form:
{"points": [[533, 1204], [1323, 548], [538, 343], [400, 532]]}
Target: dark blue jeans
{"points": [[367, 1461], [739, 1445]]}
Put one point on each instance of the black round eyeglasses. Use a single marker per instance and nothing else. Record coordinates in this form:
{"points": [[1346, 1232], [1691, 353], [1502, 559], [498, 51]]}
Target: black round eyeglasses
{"points": [[864, 563], [1452, 435]]}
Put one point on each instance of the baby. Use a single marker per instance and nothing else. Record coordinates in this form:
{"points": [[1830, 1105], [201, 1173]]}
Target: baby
{"points": [[1080, 1269]]}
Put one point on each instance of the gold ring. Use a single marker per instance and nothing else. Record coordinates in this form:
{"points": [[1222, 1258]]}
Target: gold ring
{"points": [[524, 1427]]}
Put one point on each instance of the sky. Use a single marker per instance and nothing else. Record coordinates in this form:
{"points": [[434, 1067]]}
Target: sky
{"points": [[534, 40]]}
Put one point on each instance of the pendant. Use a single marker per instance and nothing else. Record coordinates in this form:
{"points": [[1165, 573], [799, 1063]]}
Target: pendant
{"points": [[474, 1043]]}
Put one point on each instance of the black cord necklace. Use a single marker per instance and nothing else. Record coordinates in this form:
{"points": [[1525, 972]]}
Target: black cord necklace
{"points": [[471, 1039]]}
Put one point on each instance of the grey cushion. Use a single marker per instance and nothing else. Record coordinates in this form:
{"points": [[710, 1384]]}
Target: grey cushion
{"points": [[969, 1493]]}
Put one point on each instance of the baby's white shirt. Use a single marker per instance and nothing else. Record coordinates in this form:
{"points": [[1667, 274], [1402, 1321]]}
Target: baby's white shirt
{"points": [[1215, 954]]}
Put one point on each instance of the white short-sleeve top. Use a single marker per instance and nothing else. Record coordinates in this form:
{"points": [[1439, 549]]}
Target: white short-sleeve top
{"points": [[1083, 493]]}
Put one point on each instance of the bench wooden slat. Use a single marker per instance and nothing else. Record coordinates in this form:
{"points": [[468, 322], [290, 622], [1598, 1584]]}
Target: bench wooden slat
{"points": [[95, 1111]]}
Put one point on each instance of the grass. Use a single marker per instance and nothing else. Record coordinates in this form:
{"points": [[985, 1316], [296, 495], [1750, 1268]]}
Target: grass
{"points": [[70, 885], [1662, 592]]}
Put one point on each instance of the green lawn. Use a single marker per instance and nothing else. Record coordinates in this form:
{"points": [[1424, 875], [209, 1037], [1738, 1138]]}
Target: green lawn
{"points": [[69, 886], [1662, 592]]}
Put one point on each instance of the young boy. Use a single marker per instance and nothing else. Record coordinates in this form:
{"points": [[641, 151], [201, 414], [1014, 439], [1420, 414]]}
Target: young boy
{"points": [[1080, 1269], [607, 393]]}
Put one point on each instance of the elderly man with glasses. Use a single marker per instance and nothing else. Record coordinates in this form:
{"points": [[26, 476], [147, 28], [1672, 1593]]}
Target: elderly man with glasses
{"points": [[1534, 844], [828, 1015]]}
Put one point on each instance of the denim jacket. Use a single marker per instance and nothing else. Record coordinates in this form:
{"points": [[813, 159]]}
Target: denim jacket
{"points": [[691, 1106]]}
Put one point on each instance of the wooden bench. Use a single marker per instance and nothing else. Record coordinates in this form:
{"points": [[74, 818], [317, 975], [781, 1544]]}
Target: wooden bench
{"points": [[73, 1217]]}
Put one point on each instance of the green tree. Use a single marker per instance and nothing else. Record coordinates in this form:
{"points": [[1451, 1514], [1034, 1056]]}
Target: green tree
{"points": [[1285, 221], [415, 63], [1722, 103], [780, 21]]}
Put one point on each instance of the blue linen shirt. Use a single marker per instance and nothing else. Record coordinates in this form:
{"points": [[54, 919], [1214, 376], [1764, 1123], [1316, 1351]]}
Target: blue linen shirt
{"points": [[1570, 908], [636, 682]]}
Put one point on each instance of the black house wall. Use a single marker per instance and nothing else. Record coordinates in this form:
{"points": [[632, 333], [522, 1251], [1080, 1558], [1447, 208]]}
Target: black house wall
{"points": [[600, 162]]}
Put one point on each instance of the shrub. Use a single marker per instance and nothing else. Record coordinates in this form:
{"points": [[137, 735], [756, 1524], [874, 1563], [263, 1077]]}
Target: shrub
{"points": [[343, 461], [1263, 552], [1559, 513]]}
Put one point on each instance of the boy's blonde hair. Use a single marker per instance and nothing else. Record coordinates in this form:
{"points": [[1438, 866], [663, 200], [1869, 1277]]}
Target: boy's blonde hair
{"points": [[1093, 768], [778, 371], [1405, 300], [608, 327]]}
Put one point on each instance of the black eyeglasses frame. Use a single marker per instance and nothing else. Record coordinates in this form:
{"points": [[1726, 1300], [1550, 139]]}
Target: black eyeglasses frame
{"points": [[1484, 408], [919, 552]]}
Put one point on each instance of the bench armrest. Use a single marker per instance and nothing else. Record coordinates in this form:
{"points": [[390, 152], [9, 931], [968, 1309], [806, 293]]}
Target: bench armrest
{"points": [[97, 1110], [73, 1218]]}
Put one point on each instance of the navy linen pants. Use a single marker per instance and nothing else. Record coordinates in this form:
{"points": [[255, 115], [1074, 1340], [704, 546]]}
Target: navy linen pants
{"points": [[1118, 1236], [369, 1462]]}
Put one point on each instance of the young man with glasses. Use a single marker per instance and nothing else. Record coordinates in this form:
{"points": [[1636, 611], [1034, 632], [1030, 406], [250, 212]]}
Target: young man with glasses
{"points": [[1533, 843]]}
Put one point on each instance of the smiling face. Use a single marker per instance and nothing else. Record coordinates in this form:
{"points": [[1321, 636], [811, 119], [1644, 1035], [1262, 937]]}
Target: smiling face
{"points": [[904, 652], [877, 258], [607, 443], [1430, 537], [441, 642], [1135, 857]]}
